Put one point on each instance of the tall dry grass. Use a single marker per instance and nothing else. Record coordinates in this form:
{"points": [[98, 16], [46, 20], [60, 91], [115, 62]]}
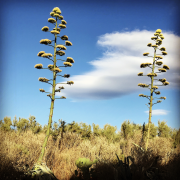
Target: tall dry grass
{"points": [[16, 150]]}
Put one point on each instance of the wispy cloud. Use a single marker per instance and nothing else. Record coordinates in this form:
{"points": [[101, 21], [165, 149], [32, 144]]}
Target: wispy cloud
{"points": [[158, 112], [115, 73]]}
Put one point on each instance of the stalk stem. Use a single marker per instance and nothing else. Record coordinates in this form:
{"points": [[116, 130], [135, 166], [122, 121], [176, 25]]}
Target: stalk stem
{"points": [[52, 105], [151, 99]]}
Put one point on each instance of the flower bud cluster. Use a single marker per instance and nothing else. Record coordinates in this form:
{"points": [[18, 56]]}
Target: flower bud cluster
{"points": [[59, 50], [158, 38]]}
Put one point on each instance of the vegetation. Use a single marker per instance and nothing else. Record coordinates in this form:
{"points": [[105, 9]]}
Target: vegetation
{"points": [[20, 148]]}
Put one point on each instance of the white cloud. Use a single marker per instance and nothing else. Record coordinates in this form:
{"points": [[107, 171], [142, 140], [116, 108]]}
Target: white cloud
{"points": [[115, 73], [158, 112]]}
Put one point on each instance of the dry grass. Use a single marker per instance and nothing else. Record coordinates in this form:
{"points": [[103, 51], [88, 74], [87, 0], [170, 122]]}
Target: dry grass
{"points": [[17, 150]]}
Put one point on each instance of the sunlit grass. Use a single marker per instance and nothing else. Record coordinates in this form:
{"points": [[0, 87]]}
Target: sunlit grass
{"points": [[16, 150]]}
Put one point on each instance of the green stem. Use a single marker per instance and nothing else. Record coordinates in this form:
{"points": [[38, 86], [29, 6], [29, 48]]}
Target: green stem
{"points": [[151, 99], [52, 105]]}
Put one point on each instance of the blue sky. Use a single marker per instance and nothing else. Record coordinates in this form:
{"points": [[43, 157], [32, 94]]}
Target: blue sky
{"points": [[109, 39]]}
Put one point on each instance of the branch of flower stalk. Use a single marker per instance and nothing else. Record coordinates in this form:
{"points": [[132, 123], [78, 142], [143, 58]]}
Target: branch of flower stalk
{"points": [[158, 72], [147, 105], [61, 97], [147, 88], [45, 92], [63, 83], [51, 59], [157, 67], [60, 75], [161, 85], [59, 36], [45, 68], [58, 90], [156, 98], [51, 99], [160, 98], [49, 83], [63, 66], [150, 67], [155, 103], [50, 45], [143, 75], [50, 79], [61, 59], [147, 97]]}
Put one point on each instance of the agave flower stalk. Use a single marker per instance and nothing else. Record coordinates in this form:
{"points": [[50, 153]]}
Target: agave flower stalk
{"points": [[58, 50], [158, 37]]}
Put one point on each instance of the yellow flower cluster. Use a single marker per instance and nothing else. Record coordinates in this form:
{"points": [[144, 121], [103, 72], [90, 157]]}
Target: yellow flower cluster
{"points": [[64, 37], [155, 87], [158, 31], [42, 90], [43, 79], [58, 29], [56, 13], [162, 80], [143, 65], [40, 53], [145, 54], [56, 10], [162, 49], [55, 32], [70, 82], [155, 46], [159, 63], [45, 28], [61, 87], [166, 67], [151, 74], [51, 20], [163, 98], [67, 64], [166, 83], [38, 66], [159, 57], [63, 22], [158, 41], [157, 92], [61, 53], [142, 95], [153, 38], [70, 59], [61, 46], [162, 69], [140, 74], [45, 41], [164, 53], [56, 70], [50, 66], [143, 85], [68, 43], [46, 55], [62, 26]]}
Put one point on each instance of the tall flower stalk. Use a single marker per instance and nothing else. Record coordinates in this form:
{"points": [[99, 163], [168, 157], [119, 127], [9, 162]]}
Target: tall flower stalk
{"points": [[158, 38], [58, 50]]}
